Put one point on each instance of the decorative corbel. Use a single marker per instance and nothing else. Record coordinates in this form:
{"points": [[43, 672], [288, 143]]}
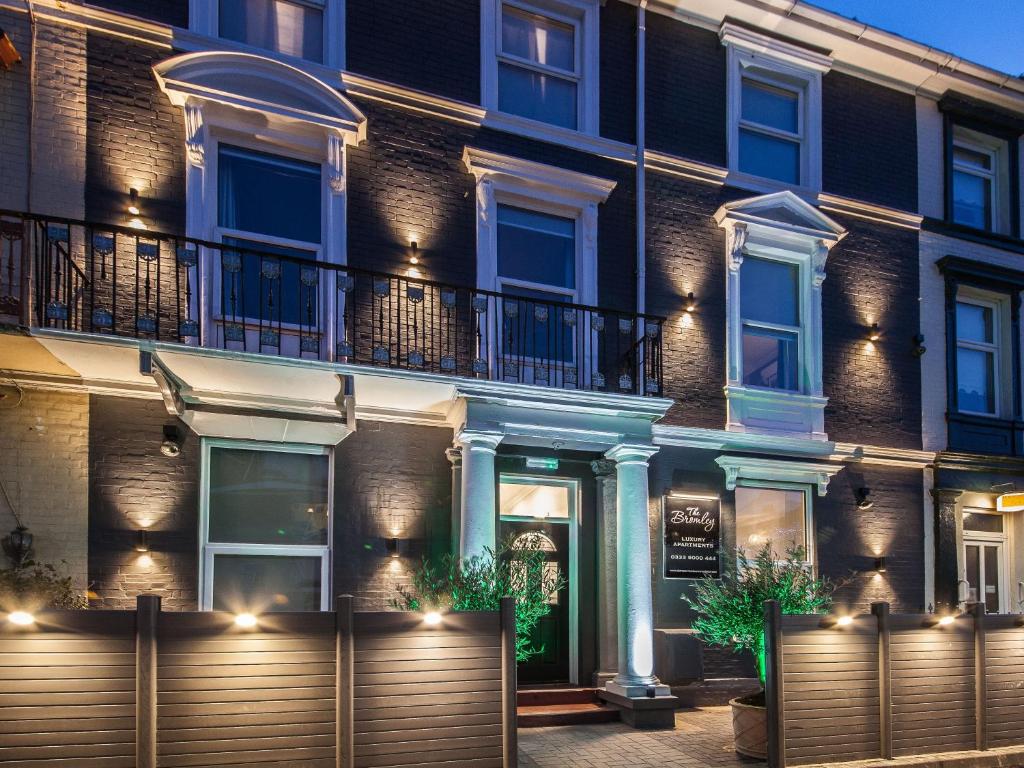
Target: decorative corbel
{"points": [[336, 163], [736, 241], [195, 134], [818, 258], [484, 201]]}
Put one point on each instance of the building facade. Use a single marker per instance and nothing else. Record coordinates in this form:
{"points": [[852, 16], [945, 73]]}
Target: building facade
{"points": [[299, 293]]}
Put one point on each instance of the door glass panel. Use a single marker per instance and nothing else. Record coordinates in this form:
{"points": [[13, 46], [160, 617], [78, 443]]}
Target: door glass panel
{"points": [[268, 497], [985, 523], [992, 579], [972, 561], [535, 500], [257, 583]]}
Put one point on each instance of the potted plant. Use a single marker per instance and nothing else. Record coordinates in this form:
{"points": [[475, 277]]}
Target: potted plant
{"points": [[730, 614], [515, 568]]}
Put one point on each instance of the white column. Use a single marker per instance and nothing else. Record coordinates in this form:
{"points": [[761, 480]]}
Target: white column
{"points": [[479, 515], [633, 567]]}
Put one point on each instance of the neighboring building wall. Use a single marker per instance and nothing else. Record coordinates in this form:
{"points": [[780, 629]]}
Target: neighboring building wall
{"points": [[134, 486], [174, 12], [44, 457], [390, 480], [53, 113]]}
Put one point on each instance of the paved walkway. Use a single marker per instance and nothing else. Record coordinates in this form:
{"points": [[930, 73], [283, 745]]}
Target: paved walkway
{"points": [[702, 737]]}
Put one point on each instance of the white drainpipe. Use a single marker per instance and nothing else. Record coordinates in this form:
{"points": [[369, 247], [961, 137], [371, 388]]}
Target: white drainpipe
{"points": [[641, 171]]}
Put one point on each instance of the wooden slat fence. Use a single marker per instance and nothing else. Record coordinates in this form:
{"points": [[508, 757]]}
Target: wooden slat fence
{"points": [[146, 689], [885, 686]]}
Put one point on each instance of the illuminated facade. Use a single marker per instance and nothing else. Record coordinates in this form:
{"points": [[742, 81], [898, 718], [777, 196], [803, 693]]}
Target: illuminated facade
{"points": [[308, 294]]}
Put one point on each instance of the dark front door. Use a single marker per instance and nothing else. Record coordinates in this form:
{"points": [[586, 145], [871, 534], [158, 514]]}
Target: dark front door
{"points": [[551, 635]]}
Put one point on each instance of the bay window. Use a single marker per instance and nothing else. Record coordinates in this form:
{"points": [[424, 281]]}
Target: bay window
{"points": [[265, 527]]}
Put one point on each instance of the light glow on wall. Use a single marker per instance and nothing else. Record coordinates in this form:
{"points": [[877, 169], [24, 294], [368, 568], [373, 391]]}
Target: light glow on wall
{"points": [[21, 618]]}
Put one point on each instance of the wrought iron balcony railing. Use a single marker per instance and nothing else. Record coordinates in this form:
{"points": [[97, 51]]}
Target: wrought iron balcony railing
{"points": [[127, 282]]}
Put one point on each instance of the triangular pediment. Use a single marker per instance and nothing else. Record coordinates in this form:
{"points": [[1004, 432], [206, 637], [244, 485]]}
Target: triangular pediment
{"points": [[783, 210]]}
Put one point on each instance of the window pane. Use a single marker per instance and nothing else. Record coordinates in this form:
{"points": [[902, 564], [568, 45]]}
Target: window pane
{"points": [[768, 291], [534, 500], [534, 328], [769, 358], [267, 497], [974, 323], [975, 373], [771, 106], [769, 514], [268, 195], [979, 521], [991, 579], [538, 38], [262, 583], [536, 247], [285, 298], [972, 200], [290, 28], [769, 156], [547, 98], [972, 558], [972, 157]]}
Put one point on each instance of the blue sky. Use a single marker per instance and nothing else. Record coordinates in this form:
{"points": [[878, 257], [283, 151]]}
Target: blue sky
{"points": [[989, 32]]}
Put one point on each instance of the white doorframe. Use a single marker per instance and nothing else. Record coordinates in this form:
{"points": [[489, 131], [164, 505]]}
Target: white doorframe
{"points": [[986, 539]]}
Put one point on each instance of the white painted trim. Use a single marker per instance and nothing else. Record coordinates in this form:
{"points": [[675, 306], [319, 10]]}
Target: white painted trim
{"points": [[870, 211], [207, 551], [762, 45], [662, 162], [740, 468], [204, 19], [584, 15]]}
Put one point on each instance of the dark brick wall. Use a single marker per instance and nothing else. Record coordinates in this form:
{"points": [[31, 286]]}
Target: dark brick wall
{"points": [[617, 79], [874, 390], [174, 12], [390, 480], [433, 46], [134, 137], [686, 76], [869, 141], [408, 179], [132, 483], [849, 539]]}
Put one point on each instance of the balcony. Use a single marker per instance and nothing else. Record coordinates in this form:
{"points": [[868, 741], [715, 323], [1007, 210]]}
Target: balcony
{"points": [[75, 276]]}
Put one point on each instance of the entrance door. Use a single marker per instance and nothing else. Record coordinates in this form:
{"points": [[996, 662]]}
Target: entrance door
{"points": [[984, 563], [543, 510]]}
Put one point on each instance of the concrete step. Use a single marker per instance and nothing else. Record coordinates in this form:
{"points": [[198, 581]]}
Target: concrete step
{"points": [[556, 695], [540, 707]]}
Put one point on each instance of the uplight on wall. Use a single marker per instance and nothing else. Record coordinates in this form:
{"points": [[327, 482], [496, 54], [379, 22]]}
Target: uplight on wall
{"points": [[874, 332], [946, 620], [432, 618], [844, 621], [135, 210], [245, 620], [690, 305], [21, 618]]}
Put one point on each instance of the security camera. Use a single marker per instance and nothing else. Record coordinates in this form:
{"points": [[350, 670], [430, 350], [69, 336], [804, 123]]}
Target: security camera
{"points": [[171, 446]]}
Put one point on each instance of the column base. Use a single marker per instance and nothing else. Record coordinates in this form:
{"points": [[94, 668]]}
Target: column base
{"points": [[600, 678], [639, 690], [643, 711]]}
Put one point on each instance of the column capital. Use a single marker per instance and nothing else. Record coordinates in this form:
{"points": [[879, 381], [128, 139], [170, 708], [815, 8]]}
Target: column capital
{"points": [[947, 495], [478, 439], [631, 453], [454, 455], [602, 467]]}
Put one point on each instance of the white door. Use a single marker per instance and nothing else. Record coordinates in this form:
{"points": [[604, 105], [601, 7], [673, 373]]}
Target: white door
{"points": [[984, 560]]}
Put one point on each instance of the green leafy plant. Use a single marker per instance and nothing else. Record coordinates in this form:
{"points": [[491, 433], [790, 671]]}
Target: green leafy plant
{"points": [[730, 611], [515, 568], [34, 586]]}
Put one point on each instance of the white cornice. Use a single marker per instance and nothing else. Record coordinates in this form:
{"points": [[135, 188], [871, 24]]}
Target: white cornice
{"points": [[484, 164], [739, 468], [770, 47], [662, 162], [869, 211]]}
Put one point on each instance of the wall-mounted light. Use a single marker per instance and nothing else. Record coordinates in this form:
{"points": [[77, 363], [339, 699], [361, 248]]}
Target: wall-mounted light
{"points": [[874, 332], [133, 202], [391, 547], [880, 566], [245, 620], [17, 545], [919, 348], [142, 541], [21, 618], [9, 55], [690, 305], [414, 257], [171, 446], [864, 502]]}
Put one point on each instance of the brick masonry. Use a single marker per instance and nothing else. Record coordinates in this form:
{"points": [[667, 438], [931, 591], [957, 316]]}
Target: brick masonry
{"points": [[44, 455], [134, 486]]}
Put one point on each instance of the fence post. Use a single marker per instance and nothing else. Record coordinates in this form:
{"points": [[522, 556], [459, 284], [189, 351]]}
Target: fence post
{"points": [[509, 737], [980, 683], [147, 612], [774, 695], [344, 727], [881, 611]]}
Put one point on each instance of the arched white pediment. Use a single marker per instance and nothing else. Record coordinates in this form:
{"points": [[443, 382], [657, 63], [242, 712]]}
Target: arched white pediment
{"points": [[252, 82]]}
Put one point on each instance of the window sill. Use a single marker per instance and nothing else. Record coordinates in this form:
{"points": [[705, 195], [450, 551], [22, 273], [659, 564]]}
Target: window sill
{"points": [[775, 412], [981, 236], [974, 433]]}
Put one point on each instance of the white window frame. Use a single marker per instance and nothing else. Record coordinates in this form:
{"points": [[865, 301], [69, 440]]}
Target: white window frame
{"points": [[995, 348], [770, 61], [584, 16], [982, 539], [997, 150], [208, 550], [204, 19], [797, 330], [809, 538]]}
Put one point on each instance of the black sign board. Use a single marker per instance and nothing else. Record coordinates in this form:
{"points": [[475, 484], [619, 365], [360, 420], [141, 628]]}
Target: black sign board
{"points": [[692, 537]]}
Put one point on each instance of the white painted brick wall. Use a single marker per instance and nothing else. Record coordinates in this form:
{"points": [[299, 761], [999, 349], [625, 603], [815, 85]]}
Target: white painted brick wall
{"points": [[58, 123], [44, 464], [933, 247]]}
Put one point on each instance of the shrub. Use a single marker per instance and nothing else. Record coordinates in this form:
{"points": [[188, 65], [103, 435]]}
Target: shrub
{"points": [[34, 586], [479, 583], [730, 611]]}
